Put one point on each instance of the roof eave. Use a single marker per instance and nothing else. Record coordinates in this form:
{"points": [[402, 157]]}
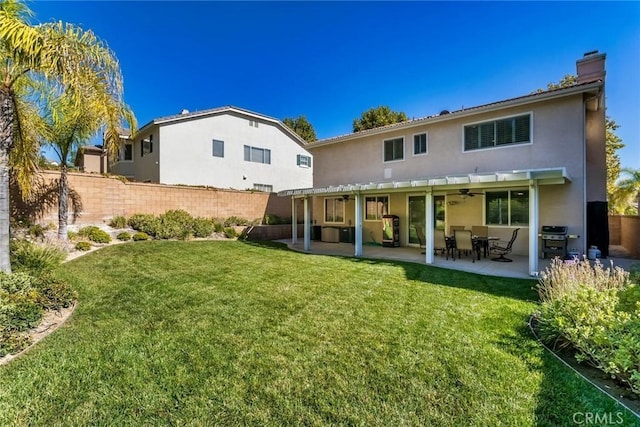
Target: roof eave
{"points": [[498, 105]]}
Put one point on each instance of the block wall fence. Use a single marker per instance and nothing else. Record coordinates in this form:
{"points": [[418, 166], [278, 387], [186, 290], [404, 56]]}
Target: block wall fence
{"points": [[624, 230], [103, 198]]}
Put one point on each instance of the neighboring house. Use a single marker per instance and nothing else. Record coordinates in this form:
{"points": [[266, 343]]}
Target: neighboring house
{"points": [[225, 147], [530, 161], [91, 159]]}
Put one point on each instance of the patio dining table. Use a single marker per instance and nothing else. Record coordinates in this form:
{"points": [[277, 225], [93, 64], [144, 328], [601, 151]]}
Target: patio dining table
{"points": [[479, 242]]}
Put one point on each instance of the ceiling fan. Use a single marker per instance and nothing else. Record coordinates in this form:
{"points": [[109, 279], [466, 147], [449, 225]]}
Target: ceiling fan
{"points": [[464, 193]]}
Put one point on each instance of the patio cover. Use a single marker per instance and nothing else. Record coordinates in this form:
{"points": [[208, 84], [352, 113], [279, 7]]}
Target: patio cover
{"points": [[532, 178]]}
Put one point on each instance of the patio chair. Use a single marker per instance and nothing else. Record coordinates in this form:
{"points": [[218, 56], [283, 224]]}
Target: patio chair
{"points": [[465, 243], [421, 238], [480, 230], [439, 242], [502, 250], [453, 228]]}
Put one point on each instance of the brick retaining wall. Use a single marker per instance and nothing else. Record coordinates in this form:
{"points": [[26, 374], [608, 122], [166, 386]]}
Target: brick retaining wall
{"points": [[103, 198]]}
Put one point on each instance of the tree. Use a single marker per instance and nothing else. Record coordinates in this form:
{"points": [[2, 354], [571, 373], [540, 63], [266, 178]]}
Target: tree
{"points": [[69, 127], [52, 57], [302, 127], [376, 117], [612, 141], [627, 192]]}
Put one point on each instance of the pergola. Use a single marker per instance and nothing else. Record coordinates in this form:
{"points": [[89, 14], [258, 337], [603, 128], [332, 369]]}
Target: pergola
{"points": [[531, 178]]}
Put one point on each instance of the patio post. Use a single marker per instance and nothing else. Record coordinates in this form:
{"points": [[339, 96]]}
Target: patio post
{"points": [[307, 225], [533, 228], [294, 222], [358, 215], [428, 227]]}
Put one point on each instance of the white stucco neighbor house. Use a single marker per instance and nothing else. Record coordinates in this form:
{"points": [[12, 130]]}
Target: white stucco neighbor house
{"points": [[521, 163], [226, 147]]}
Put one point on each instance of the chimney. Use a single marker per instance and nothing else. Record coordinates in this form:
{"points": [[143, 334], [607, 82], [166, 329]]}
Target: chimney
{"points": [[591, 67]]}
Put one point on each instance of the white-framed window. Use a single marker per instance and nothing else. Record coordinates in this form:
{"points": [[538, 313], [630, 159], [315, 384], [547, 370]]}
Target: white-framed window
{"points": [[146, 146], [217, 148], [375, 207], [507, 207], [267, 188], [334, 210], [498, 133], [393, 149], [420, 144], [257, 155], [303, 161]]}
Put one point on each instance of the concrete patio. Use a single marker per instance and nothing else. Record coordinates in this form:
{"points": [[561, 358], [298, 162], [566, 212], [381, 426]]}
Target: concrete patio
{"points": [[518, 268]]}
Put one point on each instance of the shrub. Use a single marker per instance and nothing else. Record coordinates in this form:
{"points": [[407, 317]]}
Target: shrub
{"points": [[634, 274], [202, 227], [54, 294], [19, 309], [140, 236], [83, 246], [124, 236], [234, 220], [118, 221], [174, 224], [72, 235], [597, 313], [218, 227], [230, 232], [23, 299], [145, 223], [95, 234], [12, 341], [32, 258], [37, 230]]}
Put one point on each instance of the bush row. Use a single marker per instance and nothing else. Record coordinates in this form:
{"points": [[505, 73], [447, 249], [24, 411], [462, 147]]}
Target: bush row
{"points": [[179, 224], [595, 312]]}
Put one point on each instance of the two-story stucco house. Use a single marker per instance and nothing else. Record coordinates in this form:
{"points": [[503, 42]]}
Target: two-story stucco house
{"points": [[225, 147], [526, 162]]}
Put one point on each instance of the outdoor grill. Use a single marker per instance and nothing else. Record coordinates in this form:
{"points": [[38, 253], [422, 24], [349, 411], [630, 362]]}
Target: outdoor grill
{"points": [[554, 240]]}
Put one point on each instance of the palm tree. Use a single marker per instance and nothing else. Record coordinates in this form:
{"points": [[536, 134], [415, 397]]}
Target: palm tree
{"points": [[65, 60], [68, 128], [627, 192]]}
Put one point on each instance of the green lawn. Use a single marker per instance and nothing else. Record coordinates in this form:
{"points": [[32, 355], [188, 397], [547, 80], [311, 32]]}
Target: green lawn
{"points": [[232, 333]]}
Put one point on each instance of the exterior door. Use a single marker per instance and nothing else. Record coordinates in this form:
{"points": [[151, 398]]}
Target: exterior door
{"points": [[416, 217]]}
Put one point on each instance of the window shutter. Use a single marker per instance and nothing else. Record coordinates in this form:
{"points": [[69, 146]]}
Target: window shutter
{"points": [[298, 159], [309, 161], [523, 127]]}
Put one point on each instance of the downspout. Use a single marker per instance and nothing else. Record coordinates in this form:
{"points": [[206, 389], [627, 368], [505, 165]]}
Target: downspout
{"points": [[584, 177]]}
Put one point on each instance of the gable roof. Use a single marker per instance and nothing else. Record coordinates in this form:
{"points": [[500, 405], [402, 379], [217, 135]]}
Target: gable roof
{"points": [[497, 105], [223, 110]]}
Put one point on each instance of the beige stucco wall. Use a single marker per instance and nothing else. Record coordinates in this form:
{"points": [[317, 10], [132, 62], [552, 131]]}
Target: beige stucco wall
{"points": [[147, 168], [557, 141], [92, 163]]}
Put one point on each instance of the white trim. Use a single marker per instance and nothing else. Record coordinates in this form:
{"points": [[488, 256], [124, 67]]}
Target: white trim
{"points": [[413, 144], [384, 141]]}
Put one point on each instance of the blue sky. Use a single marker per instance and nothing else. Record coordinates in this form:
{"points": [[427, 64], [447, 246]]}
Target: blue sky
{"points": [[330, 61]]}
